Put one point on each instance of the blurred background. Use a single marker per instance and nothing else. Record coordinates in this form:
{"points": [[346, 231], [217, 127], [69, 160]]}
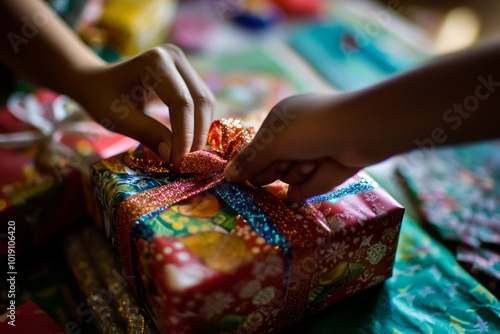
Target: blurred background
{"points": [[306, 45], [252, 54]]}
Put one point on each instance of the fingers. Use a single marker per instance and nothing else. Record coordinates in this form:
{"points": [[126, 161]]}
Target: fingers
{"points": [[204, 101], [327, 175], [299, 172], [190, 101], [271, 173], [306, 178], [173, 91]]}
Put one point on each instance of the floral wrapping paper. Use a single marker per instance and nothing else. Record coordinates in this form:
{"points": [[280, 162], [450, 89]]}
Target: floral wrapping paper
{"points": [[458, 191], [201, 266]]}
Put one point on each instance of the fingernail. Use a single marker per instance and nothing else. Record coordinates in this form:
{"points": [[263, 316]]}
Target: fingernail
{"points": [[307, 167], [164, 150], [232, 170]]}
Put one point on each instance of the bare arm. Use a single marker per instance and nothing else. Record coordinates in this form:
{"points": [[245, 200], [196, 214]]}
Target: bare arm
{"points": [[314, 142], [453, 100], [38, 45]]}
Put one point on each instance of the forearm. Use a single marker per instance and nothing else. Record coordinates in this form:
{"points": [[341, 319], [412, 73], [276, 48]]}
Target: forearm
{"points": [[39, 46], [452, 100]]}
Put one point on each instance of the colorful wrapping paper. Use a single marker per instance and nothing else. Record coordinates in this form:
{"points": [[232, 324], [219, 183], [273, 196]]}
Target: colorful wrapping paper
{"points": [[47, 145], [429, 292], [210, 256], [458, 191]]}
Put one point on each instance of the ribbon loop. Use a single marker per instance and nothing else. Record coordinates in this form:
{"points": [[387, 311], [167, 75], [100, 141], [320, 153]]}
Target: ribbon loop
{"points": [[227, 137], [203, 162]]}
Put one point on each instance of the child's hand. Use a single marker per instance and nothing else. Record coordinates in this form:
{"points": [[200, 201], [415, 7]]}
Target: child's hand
{"points": [[314, 142], [115, 95], [308, 141]]}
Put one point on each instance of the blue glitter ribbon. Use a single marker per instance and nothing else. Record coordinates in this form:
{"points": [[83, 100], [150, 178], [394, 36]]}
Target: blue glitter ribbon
{"points": [[239, 201], [362, 186]]}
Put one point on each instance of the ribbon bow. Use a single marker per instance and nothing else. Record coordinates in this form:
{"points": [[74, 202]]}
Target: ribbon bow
{"points": [[225, 138]]}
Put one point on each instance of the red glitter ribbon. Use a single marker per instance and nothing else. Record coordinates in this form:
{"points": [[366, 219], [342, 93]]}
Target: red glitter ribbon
{"points": [[205, 168]]}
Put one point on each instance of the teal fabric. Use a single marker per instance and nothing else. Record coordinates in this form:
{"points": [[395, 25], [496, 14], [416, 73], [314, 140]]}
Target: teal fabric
{"points": [[429, 293], [457, 190]]}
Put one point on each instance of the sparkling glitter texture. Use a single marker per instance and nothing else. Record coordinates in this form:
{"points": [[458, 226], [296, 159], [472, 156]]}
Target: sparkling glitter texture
{"points": [[362, 186], [237, 199], [265, 213], [144, 159]]}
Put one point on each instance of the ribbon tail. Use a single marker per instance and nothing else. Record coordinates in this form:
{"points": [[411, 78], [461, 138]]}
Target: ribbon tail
{"points": [[278, 224]]}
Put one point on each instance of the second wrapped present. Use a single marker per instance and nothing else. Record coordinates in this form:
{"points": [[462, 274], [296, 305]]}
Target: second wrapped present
{"points": [[208, 256]]}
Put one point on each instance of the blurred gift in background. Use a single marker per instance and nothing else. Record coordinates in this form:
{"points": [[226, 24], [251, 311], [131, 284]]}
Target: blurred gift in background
{"points": [[47, 143], [134, 26]]}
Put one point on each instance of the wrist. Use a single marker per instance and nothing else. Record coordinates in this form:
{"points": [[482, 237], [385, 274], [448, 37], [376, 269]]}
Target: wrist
{"points": [[347, 129], [82, 78]]}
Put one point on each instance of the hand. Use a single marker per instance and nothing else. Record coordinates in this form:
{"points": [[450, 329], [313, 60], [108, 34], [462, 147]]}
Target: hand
{"points": [[309, 141], [115, 95]]}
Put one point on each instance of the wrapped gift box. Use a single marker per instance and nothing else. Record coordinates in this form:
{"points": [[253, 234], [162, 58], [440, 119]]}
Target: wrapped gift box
{"points": [[208, 255], [136, 26], [38, 203], [47, 144]]}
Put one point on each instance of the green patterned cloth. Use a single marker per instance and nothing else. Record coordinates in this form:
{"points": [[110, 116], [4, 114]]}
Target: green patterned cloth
{"points": [[457, 191], [429, 293]]}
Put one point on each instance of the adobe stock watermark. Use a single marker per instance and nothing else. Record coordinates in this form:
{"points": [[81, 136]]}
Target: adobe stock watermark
{"points": [[454, 118], [30, 28]]}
